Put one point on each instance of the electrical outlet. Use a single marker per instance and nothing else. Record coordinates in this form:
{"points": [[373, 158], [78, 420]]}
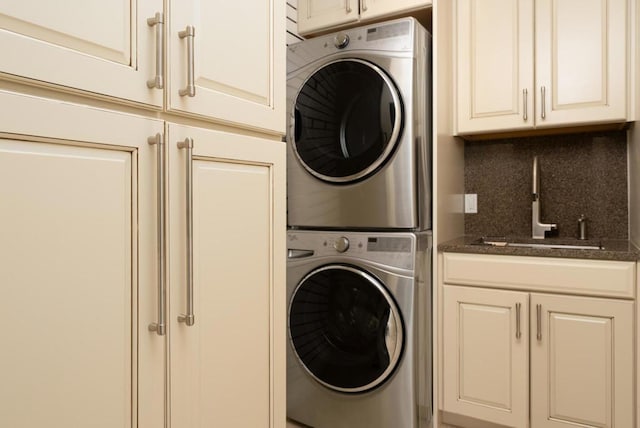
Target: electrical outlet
{"points": [[470, 203]]}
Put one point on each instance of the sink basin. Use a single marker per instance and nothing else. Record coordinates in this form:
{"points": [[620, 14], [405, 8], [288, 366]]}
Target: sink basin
{"points": [[558, 245]]}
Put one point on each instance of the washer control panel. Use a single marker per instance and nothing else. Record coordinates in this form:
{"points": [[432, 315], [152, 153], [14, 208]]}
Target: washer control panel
{"points": [[392, 248]]}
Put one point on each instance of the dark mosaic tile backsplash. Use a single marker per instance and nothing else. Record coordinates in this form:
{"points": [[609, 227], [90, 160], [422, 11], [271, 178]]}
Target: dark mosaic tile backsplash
{"points": [[579, 174]]}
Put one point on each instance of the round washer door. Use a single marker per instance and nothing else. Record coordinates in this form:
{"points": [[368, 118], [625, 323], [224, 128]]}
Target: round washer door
{"points": [[345, 328], [347, 121]]}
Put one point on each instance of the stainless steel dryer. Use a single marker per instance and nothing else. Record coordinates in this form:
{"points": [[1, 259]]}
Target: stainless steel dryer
{"points": [[359, 321], [359, 129]]}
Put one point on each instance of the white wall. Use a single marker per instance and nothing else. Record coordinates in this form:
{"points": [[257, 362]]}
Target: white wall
{"points": [[292, 22], [634, 133], [448, 165]]}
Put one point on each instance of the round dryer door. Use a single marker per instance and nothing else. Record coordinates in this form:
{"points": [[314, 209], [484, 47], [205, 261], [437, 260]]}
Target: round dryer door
{"points": [[345, 328], [347, 121]]}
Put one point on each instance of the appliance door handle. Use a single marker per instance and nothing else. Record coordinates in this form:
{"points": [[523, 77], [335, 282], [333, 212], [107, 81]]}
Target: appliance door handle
{"points": [[188, 318], [299, 254], [160, 326], [391, 334], [158, 80], [189, 33]]}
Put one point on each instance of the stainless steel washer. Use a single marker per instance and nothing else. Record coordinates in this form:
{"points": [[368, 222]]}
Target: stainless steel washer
{"points": [[359, 129], [359, 322]]}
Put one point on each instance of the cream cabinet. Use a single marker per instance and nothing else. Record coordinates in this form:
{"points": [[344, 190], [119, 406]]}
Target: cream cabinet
{"points": [[321, 15], [486, 354], [227, 315], [226, 60], [96, 47], [522, 358], [581, 361], [577, 76], [78, 282], [131, 51], [115, 227]]}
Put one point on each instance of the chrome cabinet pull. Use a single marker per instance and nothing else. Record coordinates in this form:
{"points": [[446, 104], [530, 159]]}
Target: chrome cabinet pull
{"points": [[539, 322], [189, 33], [543, 91], [160, 326], [364, 5], [188, 318], [518, 331], [158, 22], [348, 6], [525, 95]]}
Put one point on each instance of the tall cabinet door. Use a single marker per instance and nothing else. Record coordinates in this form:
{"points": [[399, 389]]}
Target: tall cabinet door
{"points": [[581, 360], [77, 280], [486, 354], [495, 65], [227, 61], [228, 316], [580, 61], [100, 47]]}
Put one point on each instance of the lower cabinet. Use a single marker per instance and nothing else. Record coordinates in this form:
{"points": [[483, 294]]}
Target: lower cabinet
{"points": [[78, 267], [486, 355], [581, 362], [227, 367], [522, 359], [96, 246]]}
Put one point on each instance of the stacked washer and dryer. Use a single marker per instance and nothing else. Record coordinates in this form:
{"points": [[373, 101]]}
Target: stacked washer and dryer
{"points": [[359, 218]]}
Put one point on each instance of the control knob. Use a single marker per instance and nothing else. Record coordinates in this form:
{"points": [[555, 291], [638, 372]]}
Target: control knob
{"points": [[341, 244], [341, 40]]}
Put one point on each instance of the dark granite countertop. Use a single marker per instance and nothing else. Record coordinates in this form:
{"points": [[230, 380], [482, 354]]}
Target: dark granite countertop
{"points": [[612, 249]]}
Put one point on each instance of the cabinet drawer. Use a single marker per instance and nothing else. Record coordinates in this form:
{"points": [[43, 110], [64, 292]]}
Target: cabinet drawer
{"points": [[574, 276]]}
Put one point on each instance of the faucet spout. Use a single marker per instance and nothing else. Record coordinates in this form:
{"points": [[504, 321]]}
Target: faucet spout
{"points": [[538, 228]]}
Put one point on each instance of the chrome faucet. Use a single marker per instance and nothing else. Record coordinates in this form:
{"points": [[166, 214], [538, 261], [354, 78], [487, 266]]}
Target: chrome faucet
{"points": [[538, 229]]}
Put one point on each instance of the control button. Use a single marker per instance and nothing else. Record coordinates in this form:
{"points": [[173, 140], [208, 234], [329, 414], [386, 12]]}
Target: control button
{"points": [[341, 244], [341, 40]]}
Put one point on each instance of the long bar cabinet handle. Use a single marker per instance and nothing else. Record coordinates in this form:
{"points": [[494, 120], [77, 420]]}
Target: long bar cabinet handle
{"points": [[158, 80], [539, 322], [525, 96], [188, 318], [189, 33], [543, 93], [160, 326], [518, 330], [348, 6], [364, 5]]}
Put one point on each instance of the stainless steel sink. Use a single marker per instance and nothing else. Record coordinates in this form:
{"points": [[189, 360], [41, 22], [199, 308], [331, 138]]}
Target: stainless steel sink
{"points": [[499, 242]]}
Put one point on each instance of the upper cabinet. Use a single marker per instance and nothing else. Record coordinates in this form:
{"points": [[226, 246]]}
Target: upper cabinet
{"points": [[314, 15], [103, 48], [581, 61], [577, 76], [319, 15], [226, 60], [130, 51]]}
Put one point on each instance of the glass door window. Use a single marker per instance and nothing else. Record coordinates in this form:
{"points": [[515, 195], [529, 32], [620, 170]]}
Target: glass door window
{"points": [[348, 118], [345, 328]]}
